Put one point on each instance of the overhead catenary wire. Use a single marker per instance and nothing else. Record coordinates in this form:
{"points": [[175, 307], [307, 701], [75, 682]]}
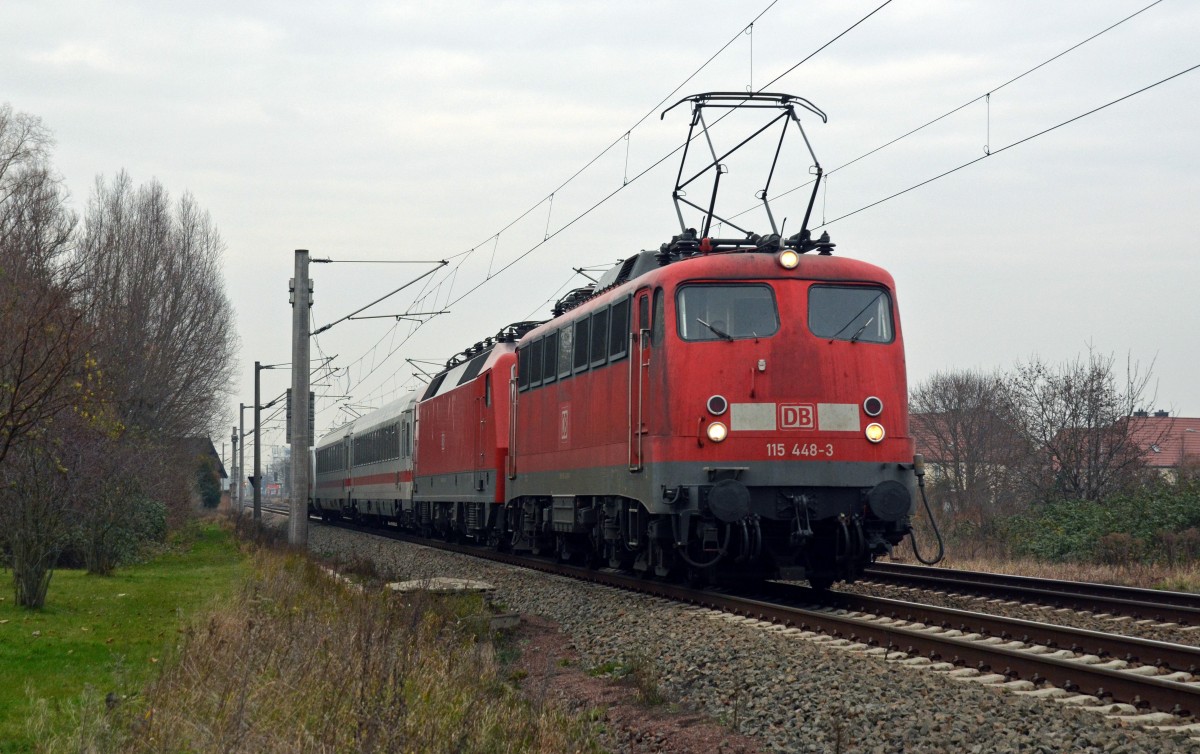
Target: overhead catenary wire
{"points": [[1017, 143], [440, 264], [968, 103]]}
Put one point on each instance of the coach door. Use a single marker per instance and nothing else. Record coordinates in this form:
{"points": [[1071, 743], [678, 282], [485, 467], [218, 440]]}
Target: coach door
{"points": [[640, 348]]}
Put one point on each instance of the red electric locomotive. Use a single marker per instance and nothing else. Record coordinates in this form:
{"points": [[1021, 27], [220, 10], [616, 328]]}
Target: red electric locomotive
{"points": [[462, 440], [719, 408]]}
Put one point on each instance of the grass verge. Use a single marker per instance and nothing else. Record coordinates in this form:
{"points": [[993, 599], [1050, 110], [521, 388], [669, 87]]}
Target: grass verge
{"points": [[299, 661], [103, 635]]}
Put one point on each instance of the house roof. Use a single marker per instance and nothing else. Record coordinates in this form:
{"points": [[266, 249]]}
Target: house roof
{"points": [[203, 446], [1167, 441], [925, 436]]}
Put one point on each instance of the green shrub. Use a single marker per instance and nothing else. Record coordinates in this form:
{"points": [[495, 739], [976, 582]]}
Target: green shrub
{"points": [[108, 537], [1159, 523], [207, 483]]}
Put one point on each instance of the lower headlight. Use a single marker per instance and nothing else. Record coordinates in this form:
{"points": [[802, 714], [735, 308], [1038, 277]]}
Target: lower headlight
{"points": [[717, 432], [875, 432]]}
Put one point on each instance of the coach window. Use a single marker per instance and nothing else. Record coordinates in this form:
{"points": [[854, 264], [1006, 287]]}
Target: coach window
{"points": [[581, 345], [853, 313], [618, 341], [535, 363], [599, 337], [726, 312], [523, 368], [565, 354], [550, 355]]}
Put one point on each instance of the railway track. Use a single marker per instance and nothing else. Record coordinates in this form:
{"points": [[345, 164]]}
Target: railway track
{"points": [[1142, 604], [1149, 675]]}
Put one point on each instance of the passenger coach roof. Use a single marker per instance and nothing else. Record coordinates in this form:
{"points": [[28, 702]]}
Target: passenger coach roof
{"points": [[384, 414]]}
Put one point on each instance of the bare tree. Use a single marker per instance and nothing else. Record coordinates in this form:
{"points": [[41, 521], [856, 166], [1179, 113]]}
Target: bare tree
{"points": [[153, 288], [975, 443], [42, 365], [1078, 414]]}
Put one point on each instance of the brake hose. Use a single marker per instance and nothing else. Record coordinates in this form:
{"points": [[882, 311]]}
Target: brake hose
{"points": [[919, 469]]}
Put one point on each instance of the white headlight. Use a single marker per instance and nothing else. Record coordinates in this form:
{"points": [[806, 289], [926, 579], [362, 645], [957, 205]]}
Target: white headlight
{"points": [[788, 259], [875, 432], [717, 431]]}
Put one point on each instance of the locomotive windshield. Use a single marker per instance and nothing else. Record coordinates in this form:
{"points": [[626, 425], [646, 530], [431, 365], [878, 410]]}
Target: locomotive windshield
{"points": [[726, 312], [850, 313]]}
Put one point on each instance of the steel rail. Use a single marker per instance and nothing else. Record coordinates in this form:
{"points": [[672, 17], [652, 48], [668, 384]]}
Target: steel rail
{"points": [[1161, 694], [1152, 604], [1130, 649]]}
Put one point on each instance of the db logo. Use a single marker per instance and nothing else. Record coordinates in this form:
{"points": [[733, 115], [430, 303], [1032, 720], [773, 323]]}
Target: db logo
{"points": [[797, 416]]}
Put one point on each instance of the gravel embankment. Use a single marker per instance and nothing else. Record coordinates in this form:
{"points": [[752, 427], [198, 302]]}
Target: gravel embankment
{"points": [[1124, 625], [794, 695]]}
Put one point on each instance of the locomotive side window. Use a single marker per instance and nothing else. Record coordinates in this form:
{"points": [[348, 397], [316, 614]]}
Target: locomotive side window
{"points": [[581, 344], [658, 325], [618, 341], [600, 337], [523, 368], [853, 313], [535, 363], [726, 312], [550, 346], [565, 354]]}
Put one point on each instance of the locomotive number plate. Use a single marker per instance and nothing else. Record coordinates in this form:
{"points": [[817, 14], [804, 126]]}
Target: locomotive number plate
{"points": [[800, 450]]}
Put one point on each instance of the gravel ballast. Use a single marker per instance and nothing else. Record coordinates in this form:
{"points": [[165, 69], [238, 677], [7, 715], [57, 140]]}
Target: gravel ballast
{"points": [[790, 693]]}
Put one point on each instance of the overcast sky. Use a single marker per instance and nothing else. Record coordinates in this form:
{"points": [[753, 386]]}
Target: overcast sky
{"points": [[417, 131]]}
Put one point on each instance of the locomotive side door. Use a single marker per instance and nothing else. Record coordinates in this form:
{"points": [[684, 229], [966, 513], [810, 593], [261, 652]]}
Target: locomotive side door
{"points": [[640, 348], [481, 403]]}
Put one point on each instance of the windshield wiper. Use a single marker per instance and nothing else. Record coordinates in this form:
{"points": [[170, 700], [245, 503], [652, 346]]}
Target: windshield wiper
{"points": [[860, 330], [716, 330], [857, 314]]}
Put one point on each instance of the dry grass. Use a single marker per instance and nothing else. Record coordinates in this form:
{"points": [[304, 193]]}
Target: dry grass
{"points": [[1179, 578], [303, 663]]}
